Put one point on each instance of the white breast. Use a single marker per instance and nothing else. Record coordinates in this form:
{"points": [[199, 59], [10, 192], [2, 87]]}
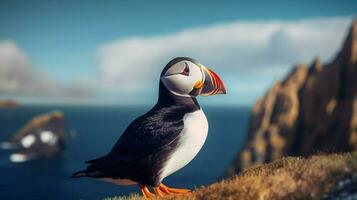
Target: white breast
{"points": [[191, 141]]}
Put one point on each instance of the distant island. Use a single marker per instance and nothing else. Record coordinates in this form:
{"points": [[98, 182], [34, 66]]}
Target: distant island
{"points": [[8, 103]]}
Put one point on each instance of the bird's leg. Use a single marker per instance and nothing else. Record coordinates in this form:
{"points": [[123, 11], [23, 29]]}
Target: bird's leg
{"points": [[146, 192], [168, 190]]}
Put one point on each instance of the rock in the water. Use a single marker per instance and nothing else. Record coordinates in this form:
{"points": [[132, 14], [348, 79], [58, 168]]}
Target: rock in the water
{"points": [[8, 104], [43, 136], [313, 110]]}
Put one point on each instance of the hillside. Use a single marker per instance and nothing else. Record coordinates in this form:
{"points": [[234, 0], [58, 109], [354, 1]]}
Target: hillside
{"points": [[287, 178]]}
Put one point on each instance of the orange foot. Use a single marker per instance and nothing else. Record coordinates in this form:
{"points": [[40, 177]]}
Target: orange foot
{"points": [[168, 190], [146, 192], [161, 191]]}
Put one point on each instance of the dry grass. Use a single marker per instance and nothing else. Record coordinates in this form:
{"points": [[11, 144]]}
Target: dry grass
{"points": [[287, 178]]}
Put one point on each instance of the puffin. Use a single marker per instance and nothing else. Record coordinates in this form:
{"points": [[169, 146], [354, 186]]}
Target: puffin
{"points": [[166, 138]]}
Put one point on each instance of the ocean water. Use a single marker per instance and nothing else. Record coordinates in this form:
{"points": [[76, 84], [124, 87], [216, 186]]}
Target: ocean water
{"points": [[96, 130]]}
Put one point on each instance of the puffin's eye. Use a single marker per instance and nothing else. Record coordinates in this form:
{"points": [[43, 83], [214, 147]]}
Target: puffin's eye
{"points": [[186, 70]]}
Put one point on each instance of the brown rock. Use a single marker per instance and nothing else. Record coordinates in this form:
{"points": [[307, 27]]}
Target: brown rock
{"points": [[8, 104], [313, 110], [43, 136], [353, 128]]}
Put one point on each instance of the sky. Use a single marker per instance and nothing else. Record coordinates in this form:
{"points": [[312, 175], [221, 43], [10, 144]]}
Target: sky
{"points": [[112, 52]]}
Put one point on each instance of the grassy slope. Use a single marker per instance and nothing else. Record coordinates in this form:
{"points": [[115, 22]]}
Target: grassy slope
{"points": [[287, 178]]}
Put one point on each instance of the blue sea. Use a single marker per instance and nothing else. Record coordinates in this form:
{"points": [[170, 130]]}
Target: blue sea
{"points": [[95, 129]]}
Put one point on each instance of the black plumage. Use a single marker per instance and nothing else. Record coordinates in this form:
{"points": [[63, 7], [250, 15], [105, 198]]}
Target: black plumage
{"points": [[146, 144]]}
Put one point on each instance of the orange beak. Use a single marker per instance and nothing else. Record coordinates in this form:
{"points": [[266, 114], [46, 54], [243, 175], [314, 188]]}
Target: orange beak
{"points": [[212, 84]]}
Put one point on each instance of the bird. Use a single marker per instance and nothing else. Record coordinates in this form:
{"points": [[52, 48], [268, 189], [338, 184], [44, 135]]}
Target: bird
{"points": [[166, 138]]}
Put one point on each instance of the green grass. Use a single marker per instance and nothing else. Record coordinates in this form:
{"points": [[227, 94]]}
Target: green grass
{"points": [[286, 178]]}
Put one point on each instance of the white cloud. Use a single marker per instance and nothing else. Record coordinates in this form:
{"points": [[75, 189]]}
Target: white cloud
{"points": [[248, 55], [242, 53], [19, 79]]}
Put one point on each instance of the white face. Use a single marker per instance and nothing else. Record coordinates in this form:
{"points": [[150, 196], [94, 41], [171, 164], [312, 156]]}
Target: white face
{"points": [[180, 78]]}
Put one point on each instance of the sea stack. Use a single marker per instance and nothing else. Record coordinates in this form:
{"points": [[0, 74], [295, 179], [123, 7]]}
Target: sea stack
{"points": [[42, 137]]}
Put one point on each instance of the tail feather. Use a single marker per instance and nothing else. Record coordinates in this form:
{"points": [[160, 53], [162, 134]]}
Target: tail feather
{"points": [[94, 160], [93, 170], [79, 174]]}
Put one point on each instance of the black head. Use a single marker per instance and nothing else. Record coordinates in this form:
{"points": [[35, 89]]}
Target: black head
{"points": [[186, 77]]}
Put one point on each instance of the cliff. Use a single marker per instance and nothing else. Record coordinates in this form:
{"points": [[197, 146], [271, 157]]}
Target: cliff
{"points": [[318, 177], [313, 110]]}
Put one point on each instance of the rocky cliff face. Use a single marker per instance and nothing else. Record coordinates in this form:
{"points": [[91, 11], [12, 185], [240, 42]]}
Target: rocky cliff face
{"points": [[313, 110]]}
